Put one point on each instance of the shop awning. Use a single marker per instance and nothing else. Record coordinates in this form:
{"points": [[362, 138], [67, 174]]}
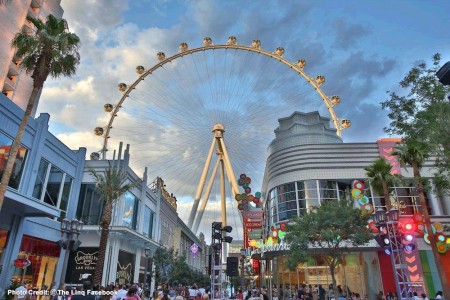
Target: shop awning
{"points": [[28, 207], [135, 238]]}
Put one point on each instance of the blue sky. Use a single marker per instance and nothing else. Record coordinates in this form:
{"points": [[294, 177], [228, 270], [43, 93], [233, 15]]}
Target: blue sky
{"points": [[363, 48]]}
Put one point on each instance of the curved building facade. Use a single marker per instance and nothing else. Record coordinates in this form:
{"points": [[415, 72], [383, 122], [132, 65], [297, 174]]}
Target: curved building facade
{"points": [[307, 164]]}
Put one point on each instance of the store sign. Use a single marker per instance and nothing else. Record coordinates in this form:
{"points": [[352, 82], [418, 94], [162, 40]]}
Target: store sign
{"points": [[253, 224], [125, 268], [81, 265], [252, 215], [255, 234]]}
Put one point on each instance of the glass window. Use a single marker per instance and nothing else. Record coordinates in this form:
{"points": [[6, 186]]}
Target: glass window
{"points": [[40, 179], [54, 185], [90, 205], [148, 222], [5, 147], [311, 194], [327, 190], [130, 210], [65, 195]]}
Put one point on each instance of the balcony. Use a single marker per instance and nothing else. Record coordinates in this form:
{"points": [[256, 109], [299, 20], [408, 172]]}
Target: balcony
{"points": [[13, 69], [8, 85], [36, 3]]}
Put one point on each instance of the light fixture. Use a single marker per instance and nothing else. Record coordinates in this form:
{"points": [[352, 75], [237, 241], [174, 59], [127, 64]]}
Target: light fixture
{"points": [[217, 235], [217, 225], [147, 252], [381, 215], [228, 229], [386, 241], [65, 225], [73, 225], [387, 251], [80, 226], [409, 237], [228, 239]]}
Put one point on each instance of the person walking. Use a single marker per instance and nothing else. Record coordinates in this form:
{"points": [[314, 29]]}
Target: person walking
{"points": [[322, 292], [132, 293]]}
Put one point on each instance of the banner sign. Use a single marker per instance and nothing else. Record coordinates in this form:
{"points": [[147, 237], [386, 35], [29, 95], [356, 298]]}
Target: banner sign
{"points": [[385, 148], [125, 268], [81, 265]]}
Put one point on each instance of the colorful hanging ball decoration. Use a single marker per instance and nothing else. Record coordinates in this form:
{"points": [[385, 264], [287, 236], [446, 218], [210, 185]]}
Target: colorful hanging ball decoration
{"points": [[420, 228], [256, 200], [244, 196], [258, 194], [269, 241], [283, 226], [367, 208], [240, 181], [247, 190], [441, 247], [439, 227], [246, 207], [250, 198], [245, 185], [258, 244], [253, 243], [275, 234], [247, 180], [358, 185], [241, 207], [281, 234], [426, 238], [363, 200], [238, 197], [418, 218], [356, 193], [242, 176], [440, 237]]}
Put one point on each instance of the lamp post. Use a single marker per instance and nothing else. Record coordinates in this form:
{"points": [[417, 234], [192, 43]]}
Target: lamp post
{"points": [[242, 269], [147, 252], [71, 229]]}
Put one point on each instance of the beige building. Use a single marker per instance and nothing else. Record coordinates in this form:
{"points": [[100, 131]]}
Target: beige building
{"points": [[14, 82]]}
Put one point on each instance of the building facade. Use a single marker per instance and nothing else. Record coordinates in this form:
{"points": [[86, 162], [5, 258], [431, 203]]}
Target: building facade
{"points": [[44, 189], [14, 82], [307, 164]]}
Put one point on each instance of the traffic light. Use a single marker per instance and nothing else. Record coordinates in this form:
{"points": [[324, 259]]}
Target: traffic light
{"points": [[232, 266]]}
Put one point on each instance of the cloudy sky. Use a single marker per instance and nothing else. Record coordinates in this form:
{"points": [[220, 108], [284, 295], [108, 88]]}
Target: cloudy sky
{"points": [[363, 48]]}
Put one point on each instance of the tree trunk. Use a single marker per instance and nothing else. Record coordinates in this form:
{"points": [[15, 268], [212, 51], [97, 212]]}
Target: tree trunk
{"points": [[431, 236], [106, 221], [16, 144], [387, 198]]}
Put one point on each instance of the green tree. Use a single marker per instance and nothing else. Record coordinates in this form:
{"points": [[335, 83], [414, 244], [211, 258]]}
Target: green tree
{"points": [[379, 175], [49, 50], [327, 231], [163, 261], [414, 154], [422, 113], [111, 184]]}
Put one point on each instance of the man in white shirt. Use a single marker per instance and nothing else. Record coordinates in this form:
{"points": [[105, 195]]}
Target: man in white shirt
{"points": [[20, 292], [121, 293]]}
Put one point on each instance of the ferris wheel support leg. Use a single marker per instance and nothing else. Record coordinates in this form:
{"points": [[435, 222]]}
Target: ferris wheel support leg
{"points": [[201, 184], [199, 217], [222, 193], [230, 173]]}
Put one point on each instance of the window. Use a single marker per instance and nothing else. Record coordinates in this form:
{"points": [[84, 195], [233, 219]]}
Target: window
{"points": [[130, 210], [5, 147], [90, 205], [52, 186], [149, 216]]}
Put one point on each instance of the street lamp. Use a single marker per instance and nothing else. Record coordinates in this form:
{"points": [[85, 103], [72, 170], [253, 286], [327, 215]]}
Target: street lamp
{"points": [[148, 253], [72, 230], [243, 254]]}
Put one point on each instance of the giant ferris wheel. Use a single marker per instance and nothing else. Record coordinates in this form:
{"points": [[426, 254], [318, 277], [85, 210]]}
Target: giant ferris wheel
{"points": [[230, 94]]}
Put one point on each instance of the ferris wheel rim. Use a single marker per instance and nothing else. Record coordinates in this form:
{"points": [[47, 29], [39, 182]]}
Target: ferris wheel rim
{"points": [[314, 82]]}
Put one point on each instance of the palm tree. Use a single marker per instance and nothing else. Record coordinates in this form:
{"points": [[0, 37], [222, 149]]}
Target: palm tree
{"points": [[413, 153], [379, 175], [49, 50], [111, 184]]}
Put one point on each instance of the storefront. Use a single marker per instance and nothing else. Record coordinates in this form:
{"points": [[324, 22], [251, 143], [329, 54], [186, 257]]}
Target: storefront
{"points": [[43, 256], [81, 265]]}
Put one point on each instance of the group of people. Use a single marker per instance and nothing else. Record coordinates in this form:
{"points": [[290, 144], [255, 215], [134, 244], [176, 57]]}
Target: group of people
{"points": [[180, 292]]}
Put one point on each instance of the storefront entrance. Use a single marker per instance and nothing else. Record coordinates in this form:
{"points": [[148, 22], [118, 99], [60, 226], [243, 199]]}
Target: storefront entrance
{"points": [[43, 256]]}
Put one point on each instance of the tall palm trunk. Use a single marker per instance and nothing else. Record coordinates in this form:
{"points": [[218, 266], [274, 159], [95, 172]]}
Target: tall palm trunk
{"points": [[106, 221], [431, 236], [387, 197], [16, 144]]}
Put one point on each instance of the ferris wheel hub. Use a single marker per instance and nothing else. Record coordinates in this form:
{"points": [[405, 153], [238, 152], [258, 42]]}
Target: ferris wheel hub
{"points": [[218, 130]]}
